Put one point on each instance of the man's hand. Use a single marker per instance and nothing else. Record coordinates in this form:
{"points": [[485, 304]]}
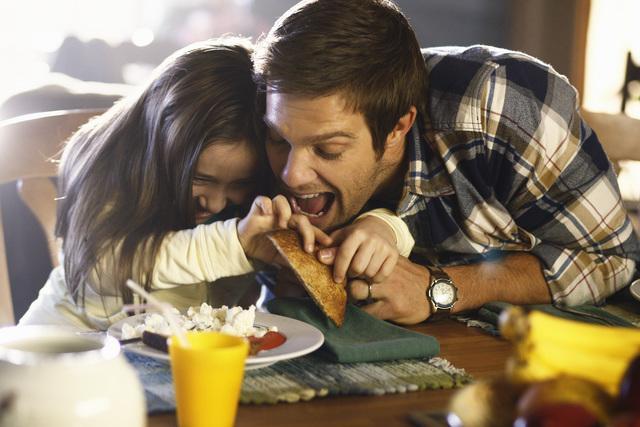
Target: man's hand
{"points": [[515, 278], [401, 298]]}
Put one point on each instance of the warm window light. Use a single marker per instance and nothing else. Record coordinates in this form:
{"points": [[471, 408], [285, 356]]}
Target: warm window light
{"points": [[142, 37], [46, 42], [612, 33], [25, 73]]}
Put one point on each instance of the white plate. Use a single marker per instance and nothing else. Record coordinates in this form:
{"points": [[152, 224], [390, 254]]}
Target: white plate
{"points": [[635, 289], [302, 339]]}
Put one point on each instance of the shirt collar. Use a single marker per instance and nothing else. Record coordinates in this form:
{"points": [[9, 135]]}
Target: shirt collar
{"points": [[426, 175]]}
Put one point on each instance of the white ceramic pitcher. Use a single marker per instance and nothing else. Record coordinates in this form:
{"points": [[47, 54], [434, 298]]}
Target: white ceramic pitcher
{"points": [[54, 377]]}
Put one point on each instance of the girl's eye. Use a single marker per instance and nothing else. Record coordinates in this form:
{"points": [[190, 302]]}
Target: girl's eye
{"points": [[199, 181]]}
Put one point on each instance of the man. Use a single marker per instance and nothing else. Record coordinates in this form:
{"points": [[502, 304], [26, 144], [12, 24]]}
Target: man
{"points": [[481, 151]]}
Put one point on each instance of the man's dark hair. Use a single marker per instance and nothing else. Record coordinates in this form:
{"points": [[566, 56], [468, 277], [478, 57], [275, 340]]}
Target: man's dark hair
{"points": [[364, 50]]}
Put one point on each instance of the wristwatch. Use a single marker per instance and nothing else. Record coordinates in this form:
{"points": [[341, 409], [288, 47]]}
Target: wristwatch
{"points": [[442, 294]]}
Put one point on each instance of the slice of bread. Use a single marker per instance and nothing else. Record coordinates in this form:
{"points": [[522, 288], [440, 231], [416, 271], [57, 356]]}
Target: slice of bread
{"points": [[316, 277]]}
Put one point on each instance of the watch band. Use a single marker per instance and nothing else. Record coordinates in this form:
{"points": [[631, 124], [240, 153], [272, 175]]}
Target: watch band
{"points": [[437, 273]]}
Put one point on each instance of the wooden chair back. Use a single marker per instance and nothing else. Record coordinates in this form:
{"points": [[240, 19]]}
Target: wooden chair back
{"points": [[618, 133], [29, 146]]}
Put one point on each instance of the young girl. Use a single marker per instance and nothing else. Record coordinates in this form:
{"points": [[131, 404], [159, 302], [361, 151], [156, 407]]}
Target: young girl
{"points": [[138, 184]]}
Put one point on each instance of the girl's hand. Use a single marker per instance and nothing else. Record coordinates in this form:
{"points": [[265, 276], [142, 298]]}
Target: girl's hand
{"points": [[272, 214], [366, 248]]}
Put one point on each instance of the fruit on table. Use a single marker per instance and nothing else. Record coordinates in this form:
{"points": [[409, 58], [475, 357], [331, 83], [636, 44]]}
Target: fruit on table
{"points": [[486, 403], [558, 415], [565, 390], [547, 346], [629, 397], [514, 324]]}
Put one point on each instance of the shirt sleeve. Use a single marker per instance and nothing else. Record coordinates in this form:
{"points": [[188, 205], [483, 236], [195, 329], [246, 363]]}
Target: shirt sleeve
{"points": [[404, 239], [202, 254], [548, 169]]}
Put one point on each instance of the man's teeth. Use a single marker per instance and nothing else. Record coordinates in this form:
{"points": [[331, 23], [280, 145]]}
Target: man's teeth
{"points": [[308, 196], [319, 214], [298, 209]]}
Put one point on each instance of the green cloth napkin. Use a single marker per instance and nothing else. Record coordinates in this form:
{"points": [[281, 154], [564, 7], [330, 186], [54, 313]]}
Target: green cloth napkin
{"points": [[362, 337]]}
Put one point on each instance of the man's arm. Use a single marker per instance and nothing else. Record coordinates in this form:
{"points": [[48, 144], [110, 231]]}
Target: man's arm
{"points": [[563, 194], [515, 278]]}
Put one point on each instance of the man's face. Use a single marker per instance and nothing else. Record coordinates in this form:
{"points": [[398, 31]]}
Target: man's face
{"points": [[323, 155]]}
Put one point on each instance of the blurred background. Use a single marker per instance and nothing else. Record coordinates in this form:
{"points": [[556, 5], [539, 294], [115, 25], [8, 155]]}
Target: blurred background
{"points": [[118, 42], [61, 54]]}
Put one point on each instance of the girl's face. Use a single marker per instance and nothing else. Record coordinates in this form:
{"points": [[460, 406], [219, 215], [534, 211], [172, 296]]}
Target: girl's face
{"points": [[224, 175]]}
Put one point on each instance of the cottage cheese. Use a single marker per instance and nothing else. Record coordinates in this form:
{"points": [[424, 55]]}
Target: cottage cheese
{"points": [[229, 320]]}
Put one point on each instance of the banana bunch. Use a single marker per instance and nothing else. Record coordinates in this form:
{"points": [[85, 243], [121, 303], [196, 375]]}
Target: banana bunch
{"points": [[548, 346]]}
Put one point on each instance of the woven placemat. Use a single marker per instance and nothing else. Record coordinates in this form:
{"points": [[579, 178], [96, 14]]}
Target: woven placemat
{"points": [[308, 377]]}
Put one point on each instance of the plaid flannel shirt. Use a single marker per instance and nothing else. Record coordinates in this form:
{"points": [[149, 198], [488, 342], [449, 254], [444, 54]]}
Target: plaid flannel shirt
{"points": [[502, 161]]}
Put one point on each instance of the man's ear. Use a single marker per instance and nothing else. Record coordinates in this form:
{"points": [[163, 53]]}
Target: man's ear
{"points": [[395, 139]]}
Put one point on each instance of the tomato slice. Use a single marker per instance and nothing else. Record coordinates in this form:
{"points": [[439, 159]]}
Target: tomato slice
{"points": [[268, 341]]}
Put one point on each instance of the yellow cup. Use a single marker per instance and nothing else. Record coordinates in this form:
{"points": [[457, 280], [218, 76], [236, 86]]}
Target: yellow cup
{"points": [[207, 378]]}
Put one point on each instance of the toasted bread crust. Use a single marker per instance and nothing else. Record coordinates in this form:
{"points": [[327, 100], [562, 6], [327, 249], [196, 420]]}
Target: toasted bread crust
{"points": [[316, 277]]}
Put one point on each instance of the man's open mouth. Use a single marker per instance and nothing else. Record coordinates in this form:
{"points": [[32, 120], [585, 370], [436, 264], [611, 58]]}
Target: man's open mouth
{"points": [[313, 205]]}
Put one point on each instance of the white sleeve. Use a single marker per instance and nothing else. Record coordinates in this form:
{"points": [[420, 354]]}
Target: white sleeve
{"points": [[202, 254], [404, 239]]}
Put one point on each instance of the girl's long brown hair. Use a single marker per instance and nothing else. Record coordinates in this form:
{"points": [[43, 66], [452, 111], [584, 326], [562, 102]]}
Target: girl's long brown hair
{"points": [[125, 177]]}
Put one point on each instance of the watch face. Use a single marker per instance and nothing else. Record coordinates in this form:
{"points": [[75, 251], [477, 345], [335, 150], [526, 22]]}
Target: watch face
{"points": [[443, 294]]}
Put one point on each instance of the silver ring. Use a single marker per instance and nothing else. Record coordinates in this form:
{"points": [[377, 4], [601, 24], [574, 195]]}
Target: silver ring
{"points": [[369, 299]]}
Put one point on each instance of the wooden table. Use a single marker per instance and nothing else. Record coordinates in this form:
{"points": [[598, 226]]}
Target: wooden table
{"points": [[469, 348]]}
